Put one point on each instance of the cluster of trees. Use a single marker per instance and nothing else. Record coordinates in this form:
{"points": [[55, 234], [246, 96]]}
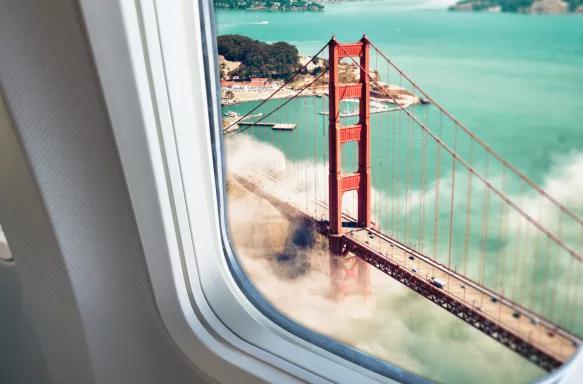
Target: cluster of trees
{"points": [[275, 5], [258, 59], [509, 5]]}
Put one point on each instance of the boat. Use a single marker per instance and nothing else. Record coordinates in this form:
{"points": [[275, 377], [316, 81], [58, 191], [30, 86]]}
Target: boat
{"points": [[231, 114]]}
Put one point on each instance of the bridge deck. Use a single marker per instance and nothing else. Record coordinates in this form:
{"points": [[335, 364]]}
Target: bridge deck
{"points": [[462, 297]]}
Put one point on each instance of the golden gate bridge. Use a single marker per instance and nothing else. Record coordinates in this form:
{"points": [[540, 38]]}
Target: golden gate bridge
{"points": [[415, 194]]}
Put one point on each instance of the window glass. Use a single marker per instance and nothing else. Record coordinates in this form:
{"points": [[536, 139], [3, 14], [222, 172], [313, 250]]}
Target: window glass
{"points": [[453, 247], [4, 250]]}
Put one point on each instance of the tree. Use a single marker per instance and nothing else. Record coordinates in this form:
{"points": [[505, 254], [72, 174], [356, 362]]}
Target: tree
{"points": [[258, 59]]}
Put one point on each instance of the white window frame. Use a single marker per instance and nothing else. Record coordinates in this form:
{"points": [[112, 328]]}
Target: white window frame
{"points": [[155, 60]]}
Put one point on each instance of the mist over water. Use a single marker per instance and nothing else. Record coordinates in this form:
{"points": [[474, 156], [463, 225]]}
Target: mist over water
{"points": [[402, 327], [515, 80]]}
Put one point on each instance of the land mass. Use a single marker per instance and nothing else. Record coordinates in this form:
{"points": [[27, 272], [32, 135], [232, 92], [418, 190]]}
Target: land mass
{"points": [[256, 58], [270, 5], [520, 6]]}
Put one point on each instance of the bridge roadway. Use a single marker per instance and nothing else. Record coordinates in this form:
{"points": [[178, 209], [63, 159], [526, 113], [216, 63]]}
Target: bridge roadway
{"points": [[462, 297]]}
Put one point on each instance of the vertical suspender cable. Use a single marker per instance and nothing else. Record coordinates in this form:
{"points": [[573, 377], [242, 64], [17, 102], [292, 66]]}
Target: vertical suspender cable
{"points": [[399, 177], [315, 160], [555, 269], [468, 210], [546, 271], [524, 267], [498, 278], [485, 222], [407, 156], [412, 165], [505, 243], [437, 171], [423, 177], [517, 248], [452, 197], [535, 266]]}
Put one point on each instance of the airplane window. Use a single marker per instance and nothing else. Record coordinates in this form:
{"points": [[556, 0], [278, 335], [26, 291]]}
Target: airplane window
{"points": [[404, 178], [4, 250]]}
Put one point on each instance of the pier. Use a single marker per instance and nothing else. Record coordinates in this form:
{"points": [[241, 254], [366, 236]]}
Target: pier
{"points": [[274, 126]]}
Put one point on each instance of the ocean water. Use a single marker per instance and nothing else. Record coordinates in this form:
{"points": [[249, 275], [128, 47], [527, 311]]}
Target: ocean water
{"points": [[514, 80]]}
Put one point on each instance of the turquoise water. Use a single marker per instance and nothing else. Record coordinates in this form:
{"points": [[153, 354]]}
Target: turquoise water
{"points": [[504, 76], [514, 80]]}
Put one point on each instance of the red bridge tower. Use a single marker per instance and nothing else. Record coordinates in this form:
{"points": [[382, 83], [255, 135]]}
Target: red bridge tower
{"points": [[342, 269]]}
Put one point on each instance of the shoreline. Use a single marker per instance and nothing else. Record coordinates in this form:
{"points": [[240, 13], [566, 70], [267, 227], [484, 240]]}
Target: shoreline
{"points": [[377, 102], [318, 93], [237, 101]]}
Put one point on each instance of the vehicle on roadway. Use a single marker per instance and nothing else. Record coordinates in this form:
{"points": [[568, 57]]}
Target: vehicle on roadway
{"points": [[438, 283], [516, 315]]}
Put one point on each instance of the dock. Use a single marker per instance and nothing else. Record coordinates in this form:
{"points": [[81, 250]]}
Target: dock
{"points": [[283, 127], [274, 126]]}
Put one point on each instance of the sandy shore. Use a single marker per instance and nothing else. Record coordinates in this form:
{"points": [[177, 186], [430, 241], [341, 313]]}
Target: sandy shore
{"points": [[246, 97]]}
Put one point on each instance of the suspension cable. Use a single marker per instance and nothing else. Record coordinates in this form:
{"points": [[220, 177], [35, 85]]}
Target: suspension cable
{"points": [[484, 180], [483, 144]]}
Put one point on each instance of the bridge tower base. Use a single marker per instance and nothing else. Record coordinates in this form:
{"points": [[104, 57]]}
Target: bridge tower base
{"points": [[349, 274]]}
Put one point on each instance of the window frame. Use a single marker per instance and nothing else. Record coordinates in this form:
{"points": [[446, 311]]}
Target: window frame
{"points": [[156, 62]]}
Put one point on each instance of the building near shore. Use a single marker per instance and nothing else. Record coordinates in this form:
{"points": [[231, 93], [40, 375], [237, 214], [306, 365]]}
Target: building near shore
{"points": [[256, 84]]}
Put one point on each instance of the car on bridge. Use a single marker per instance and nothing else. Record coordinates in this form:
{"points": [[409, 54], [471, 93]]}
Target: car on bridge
{"points": [[438, 283]]}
